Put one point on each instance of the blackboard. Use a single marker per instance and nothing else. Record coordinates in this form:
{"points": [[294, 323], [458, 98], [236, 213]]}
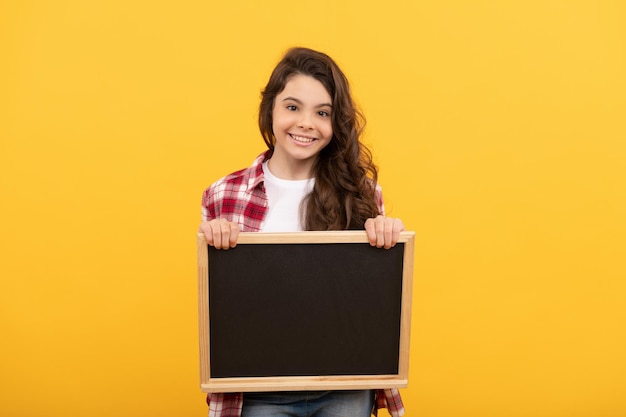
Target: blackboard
{"points": [[310, 310]]}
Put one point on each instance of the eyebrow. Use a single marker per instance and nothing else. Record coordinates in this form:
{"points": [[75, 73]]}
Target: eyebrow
{"points": [[300, 102]]}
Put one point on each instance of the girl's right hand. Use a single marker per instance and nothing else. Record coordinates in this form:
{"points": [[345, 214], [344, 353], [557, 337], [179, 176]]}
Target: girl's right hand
{"points": [[220, 233]]}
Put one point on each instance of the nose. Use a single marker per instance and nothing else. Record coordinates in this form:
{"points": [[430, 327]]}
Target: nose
{"points": [[305, 121]]}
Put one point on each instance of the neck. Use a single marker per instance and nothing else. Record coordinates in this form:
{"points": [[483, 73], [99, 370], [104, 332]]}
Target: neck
{"points": [[289, 169]]}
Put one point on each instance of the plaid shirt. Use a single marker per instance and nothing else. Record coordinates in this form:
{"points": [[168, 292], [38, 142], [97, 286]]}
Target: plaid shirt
{"points": [[240, 197]]}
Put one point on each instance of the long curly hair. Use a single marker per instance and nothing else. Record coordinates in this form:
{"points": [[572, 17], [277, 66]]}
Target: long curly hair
{"points": [[343, 196]]}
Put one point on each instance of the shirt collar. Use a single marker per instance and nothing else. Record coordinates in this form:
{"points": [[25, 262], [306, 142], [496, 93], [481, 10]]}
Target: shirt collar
{"points": [[256, 170]]}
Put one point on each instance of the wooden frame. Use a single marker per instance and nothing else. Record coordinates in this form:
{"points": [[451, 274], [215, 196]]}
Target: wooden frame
{"points": [[398, 378]]}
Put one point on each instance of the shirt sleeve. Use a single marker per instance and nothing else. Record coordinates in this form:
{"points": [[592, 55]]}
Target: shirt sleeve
{"points": [[378, 194], [208, 205]]}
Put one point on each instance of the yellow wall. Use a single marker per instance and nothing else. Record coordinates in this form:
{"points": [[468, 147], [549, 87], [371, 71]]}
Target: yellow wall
{"points": [[500, 130]]}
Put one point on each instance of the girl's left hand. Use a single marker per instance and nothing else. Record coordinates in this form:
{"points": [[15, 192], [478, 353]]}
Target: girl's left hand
{"points": [[383, 232]]}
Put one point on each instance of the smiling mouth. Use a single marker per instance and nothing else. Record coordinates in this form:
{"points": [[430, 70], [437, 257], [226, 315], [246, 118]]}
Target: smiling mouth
{"points": [[301, 139]]}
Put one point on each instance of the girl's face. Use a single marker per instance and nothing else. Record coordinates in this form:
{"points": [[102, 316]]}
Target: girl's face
{"points": [[301, 121]]}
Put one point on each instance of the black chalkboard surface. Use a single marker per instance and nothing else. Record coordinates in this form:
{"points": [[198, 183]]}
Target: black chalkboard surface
{"points": [[310, 310]]}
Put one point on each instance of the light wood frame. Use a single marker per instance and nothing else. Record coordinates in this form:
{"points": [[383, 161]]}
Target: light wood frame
{"points": [[305, 382]]}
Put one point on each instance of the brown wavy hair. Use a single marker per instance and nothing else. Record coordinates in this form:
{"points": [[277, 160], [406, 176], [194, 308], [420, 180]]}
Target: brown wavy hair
{"points": [[345, 176]]}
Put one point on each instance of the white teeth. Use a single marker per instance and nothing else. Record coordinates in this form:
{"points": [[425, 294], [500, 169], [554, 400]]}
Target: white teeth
{"points": [[302, 139]]}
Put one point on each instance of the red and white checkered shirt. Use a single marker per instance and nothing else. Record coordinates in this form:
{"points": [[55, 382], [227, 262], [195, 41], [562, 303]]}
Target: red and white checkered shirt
{"points": [[240, 197]]}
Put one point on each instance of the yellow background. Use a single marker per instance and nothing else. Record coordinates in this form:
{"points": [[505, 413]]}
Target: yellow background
{"points": [[499, 127]]}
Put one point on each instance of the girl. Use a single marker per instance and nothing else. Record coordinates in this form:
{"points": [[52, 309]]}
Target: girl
{"points": [[315, 175]]}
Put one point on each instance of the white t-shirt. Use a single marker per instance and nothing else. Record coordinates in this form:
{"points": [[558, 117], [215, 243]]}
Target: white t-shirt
{"points": [[284, 198]]}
